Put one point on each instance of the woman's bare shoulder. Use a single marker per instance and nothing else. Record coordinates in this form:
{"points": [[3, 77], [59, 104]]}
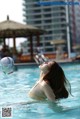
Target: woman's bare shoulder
{"points": [[44, 83]]}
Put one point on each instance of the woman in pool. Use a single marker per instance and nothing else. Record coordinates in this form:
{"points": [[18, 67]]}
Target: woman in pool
{"points": [[52, 84]]}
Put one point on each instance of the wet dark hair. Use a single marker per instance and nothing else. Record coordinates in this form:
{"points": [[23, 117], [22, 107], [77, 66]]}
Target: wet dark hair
{"points": [[57, 81]]}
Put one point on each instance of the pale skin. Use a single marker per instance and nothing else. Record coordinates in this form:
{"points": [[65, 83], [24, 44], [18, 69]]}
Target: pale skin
{"points": [[43, 73], [44, 86]]}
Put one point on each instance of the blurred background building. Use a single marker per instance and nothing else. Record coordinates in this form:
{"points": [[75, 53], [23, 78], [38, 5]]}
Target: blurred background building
{"points": [[62, 22]]}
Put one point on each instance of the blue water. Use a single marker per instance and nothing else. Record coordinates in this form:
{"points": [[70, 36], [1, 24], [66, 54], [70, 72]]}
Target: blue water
{"points": [[14, 90]]}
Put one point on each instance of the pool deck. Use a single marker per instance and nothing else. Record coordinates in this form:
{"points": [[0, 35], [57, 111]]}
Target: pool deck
{"points": [[65, 61]]}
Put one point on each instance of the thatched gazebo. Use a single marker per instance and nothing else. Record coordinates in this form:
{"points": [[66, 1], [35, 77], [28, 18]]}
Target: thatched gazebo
{"points": [[12, 29]]}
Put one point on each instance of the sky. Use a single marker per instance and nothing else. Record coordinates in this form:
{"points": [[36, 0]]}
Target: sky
{"points": [[13, 8]]}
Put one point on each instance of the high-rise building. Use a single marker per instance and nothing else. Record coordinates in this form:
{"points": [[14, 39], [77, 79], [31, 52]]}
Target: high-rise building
{"points": [[60, 21], [74, 22]]}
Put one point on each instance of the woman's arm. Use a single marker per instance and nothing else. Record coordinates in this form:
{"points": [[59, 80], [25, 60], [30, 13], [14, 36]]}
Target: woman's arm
{"points": [[48, 91]]}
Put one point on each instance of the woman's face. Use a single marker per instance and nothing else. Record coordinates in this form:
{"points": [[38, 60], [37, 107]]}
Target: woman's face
{"points": [[45, 67]]}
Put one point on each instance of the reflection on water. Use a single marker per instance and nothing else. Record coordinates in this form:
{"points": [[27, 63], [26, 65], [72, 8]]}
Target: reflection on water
{"points": [[14, 90]]}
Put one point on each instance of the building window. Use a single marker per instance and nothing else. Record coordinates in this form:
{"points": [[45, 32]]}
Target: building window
{"points": [[47, 10], [37, 22], [37, 16], [47, 15], [47, 21], [49, 49], [37, 11], [47, 44]]}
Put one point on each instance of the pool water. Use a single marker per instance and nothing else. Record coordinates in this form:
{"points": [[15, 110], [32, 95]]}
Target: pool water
{"points": [[14, 90]]}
